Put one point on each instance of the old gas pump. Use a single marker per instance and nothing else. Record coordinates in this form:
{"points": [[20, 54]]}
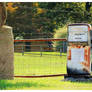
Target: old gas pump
{"points": [[78, 50]]}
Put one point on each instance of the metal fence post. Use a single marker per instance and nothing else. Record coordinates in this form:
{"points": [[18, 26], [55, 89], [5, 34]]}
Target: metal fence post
{"points": [[40, 50], [22, 50], [63, 46], [60, 52]]}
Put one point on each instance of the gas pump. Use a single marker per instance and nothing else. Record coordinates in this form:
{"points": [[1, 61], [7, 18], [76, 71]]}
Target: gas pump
{"points": [[78, 50]]}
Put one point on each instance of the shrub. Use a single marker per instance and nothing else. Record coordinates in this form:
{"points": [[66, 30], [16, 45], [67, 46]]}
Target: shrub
{"points": [[60, 33]]}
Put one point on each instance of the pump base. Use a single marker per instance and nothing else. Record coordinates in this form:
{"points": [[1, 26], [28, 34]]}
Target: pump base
{"points": [[77, 78]]}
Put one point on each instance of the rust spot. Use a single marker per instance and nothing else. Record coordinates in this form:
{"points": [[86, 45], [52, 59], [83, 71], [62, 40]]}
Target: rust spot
{"points": [[85, 70], [69, 53]]}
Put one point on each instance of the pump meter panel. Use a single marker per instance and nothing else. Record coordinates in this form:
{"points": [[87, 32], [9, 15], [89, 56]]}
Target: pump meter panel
{"points": [[78, 33]]}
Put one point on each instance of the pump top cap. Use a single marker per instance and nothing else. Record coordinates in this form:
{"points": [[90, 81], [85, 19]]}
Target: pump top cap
{"points": [[80, 24]]}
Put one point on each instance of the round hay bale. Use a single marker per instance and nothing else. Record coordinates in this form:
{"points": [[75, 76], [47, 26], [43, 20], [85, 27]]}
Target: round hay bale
{"points": [[6, 53]]}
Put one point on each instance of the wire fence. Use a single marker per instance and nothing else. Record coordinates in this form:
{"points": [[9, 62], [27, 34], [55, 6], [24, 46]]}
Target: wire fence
{"points": [[40, 47], [39, 57]]}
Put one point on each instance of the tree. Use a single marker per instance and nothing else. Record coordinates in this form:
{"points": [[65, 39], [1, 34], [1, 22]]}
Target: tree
{"points": [[88, 14], [43, 18]]}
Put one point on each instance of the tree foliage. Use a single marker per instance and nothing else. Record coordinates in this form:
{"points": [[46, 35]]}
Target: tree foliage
{"points": [[27, 17]]}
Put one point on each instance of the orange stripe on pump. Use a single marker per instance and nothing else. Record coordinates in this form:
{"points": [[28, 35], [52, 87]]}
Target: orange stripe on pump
{"points": [[89, 28], [69, 53], [87, 57]]}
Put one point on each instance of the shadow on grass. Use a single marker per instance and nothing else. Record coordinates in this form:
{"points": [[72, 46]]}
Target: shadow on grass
{"points": [[4, 85], [82, 81]]}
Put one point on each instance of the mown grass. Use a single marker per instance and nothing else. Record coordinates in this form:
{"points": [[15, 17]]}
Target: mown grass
{"points": [[31, 64], [37, 65]]}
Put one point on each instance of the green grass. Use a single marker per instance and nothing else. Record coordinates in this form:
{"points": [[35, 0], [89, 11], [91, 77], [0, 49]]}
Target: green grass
{"points": [[31, 64], [36, 65]]}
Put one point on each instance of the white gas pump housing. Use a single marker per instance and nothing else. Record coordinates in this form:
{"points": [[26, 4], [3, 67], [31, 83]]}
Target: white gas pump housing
{"points": [[78, 51]]}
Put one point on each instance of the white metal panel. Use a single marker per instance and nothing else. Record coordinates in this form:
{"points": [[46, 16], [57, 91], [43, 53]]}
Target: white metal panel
{"points": [[78, 33], [77, 56]]}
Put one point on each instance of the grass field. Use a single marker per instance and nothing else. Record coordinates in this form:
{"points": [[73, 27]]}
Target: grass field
{"points": [[48, 63], [30, 64]]}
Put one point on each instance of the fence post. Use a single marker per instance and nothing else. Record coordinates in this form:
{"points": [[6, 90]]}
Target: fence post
{"points": [[23, 50], [40, 50], [60, 52], [63, 46]]}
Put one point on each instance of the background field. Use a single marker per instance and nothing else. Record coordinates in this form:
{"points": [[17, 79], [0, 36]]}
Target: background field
{"points": [[46, 64]]}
